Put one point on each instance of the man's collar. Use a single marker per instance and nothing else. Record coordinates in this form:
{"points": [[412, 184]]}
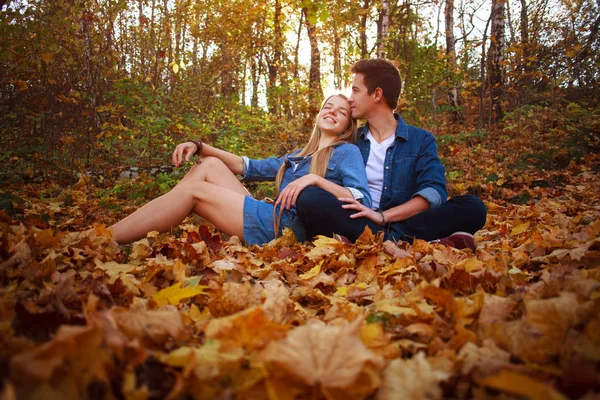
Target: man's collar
{"points": [[401, 130]]}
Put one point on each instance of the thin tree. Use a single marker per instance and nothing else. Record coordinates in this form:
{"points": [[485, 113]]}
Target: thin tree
{"points": [[383, 25], [495, 59], [314, 78], [451, 62]]}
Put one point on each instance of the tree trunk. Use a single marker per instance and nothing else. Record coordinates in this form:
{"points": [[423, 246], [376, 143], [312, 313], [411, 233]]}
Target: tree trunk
{"points": [[382, 28], [273, 66], [525, 67], [297, 50], [451, 60], [314, 82], [363, 29], [482, 80], [495, 58], [337, 64]]}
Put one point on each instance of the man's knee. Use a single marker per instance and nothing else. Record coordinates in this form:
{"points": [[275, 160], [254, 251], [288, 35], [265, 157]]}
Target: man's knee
{"points": [[313, 197], [476, 208], [314, 203]]}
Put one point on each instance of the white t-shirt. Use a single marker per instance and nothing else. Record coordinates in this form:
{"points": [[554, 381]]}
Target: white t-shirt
{"points": [[375, 166]]}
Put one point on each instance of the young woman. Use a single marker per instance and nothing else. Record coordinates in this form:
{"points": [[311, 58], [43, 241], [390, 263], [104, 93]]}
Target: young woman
{"points": [[212, 190]]}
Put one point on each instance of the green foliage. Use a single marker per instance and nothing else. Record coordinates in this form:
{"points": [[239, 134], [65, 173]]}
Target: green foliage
{"points": [[559, 137], [8, 202]]}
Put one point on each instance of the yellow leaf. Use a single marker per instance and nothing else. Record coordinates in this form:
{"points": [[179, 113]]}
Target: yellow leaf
{"points": [[471, 264], [342, 291], [519, 229], [316, 270], [174, 294], [372, 335], [175, 68], [522, 385], [323, 241]]}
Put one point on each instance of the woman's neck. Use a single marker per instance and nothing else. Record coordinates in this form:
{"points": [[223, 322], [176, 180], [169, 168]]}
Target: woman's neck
{"points": [[325, 141]]}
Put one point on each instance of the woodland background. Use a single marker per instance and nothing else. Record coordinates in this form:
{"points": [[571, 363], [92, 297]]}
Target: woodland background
{"points": [[95, 87], [103, 85]]}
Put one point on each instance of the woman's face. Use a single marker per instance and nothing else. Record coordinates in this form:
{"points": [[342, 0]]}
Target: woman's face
{"points": [[335, 115]]}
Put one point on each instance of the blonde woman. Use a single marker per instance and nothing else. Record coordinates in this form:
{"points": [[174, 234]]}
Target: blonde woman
{"points": [[212, 190]]}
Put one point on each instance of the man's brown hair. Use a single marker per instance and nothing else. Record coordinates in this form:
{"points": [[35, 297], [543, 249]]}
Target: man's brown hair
{"points": [[379, 73]]}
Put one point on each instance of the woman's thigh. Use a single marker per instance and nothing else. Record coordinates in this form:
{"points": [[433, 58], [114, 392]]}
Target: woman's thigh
{"points": [[221, 206], [214, 171]]}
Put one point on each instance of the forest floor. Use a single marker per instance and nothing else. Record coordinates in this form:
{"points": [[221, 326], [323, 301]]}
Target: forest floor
{"points": [[194, 314]]}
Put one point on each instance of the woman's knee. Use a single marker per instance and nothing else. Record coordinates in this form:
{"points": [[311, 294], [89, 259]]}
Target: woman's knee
{"points": [[208, 166], [191, 189]]}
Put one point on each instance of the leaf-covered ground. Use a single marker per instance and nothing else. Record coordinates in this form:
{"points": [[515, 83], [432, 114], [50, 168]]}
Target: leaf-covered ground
{"points": [[193, 314]]}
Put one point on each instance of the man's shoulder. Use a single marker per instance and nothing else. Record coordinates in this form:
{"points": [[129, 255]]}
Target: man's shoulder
{"points": [[415, 131]]}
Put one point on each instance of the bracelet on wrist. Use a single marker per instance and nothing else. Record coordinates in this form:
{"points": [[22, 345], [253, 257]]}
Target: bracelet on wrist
{"points": [[198, 144], [382, 217]]}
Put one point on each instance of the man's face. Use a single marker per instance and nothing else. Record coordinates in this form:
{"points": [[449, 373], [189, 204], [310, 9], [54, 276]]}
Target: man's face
{"points": [[360, 100]]}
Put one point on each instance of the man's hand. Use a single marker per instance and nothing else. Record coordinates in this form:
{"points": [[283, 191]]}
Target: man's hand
{"points": [[288, 196], [183, 150], [362, 210]]}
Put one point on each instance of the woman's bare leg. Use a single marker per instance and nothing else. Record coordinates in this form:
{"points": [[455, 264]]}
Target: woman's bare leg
{"points": [[221, 203], [214, 171]]}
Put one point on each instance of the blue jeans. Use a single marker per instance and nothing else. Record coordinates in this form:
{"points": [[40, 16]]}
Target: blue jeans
{"points": [[321, 213]]}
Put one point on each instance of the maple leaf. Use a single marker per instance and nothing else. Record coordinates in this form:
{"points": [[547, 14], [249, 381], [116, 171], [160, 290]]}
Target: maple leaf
{"points": [[119, 271], [520, 384], [276, 298], [542, 330], [213, 241], [209, 361], [64, 367], [331, 359], [230, 298], [249, 329], [175, 293], [485, 360], [412, 379], [151, 327]]}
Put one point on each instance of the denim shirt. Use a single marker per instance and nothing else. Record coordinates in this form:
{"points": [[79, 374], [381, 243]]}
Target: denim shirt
{"points": [[345, 168], [412, 166]]}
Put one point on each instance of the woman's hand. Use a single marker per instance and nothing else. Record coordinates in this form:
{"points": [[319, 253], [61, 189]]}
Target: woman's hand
{"points": [[183, 150], [362, 210], [288, 196]]}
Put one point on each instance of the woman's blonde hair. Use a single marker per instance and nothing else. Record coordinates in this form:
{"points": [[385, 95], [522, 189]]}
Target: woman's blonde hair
{"points": [[320, 158]]}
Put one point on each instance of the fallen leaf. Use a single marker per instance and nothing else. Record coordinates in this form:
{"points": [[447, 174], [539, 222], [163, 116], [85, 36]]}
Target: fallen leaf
{"points": [[330, 359], [175, 293], [415, 378], [522, 385]]}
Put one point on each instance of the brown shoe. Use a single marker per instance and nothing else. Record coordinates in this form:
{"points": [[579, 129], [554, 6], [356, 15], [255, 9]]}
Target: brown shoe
{"points": [[459, 240]]}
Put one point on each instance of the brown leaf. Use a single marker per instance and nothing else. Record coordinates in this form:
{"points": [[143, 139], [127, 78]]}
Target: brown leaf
{"points": [[520, 384], [412, 379], [487, 359], [64, 367], [331, 359], [249, 329], [151, 327]]}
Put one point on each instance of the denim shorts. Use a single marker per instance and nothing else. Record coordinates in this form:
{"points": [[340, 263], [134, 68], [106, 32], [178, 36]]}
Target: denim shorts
{"points": [[258, 222]]}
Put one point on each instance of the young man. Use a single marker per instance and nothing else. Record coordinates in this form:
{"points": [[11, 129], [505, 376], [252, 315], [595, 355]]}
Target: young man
{"points": [[405, 174]]}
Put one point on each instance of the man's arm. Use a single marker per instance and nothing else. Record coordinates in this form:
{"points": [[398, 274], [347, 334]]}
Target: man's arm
{"points": [[404, 211], [395, 214]]}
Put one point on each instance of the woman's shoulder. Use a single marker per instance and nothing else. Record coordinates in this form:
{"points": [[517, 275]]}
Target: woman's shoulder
{"points": [[346, 147]]}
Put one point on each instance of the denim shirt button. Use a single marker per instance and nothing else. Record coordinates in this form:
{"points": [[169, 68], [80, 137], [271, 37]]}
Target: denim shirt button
{"points": [[385, 188], [387, 167]]}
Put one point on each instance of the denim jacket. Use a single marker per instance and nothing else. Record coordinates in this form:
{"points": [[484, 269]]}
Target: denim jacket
{"points": [[412, 166], [346, 168]]}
